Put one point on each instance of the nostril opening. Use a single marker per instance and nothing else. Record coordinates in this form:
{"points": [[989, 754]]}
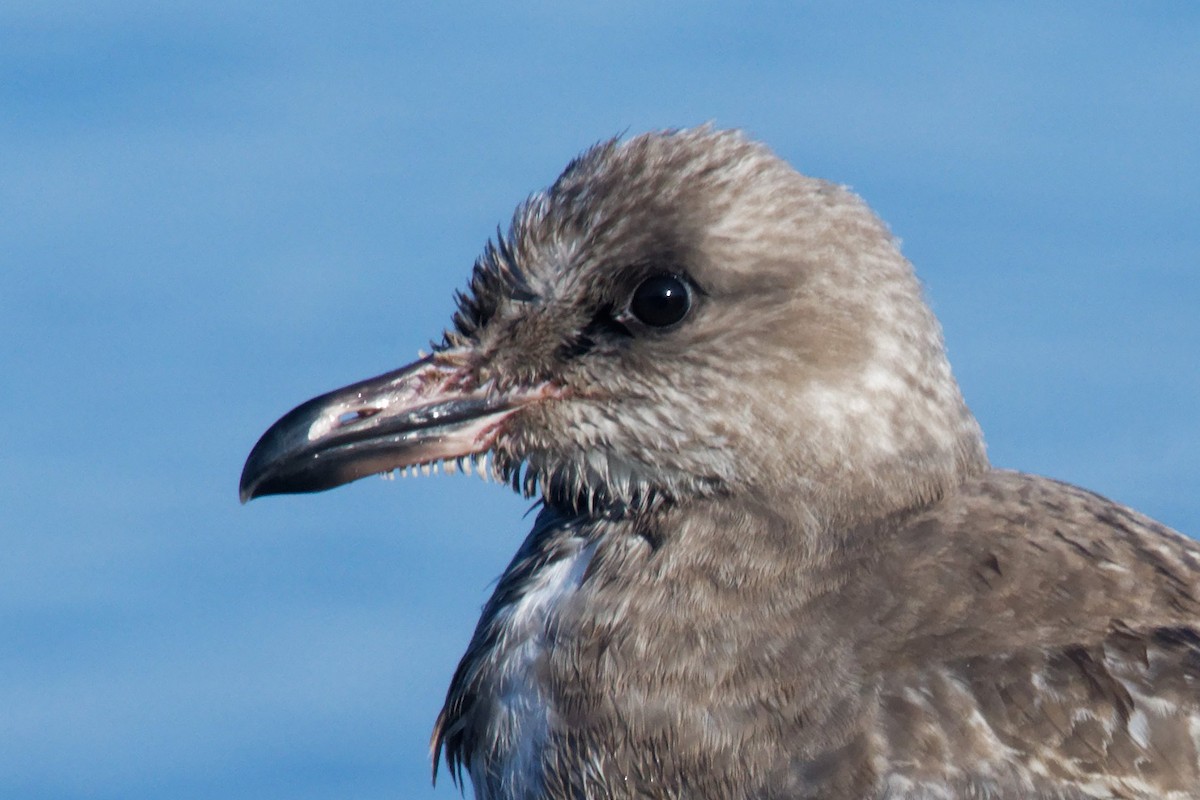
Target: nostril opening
{"points": [[350, 417]]}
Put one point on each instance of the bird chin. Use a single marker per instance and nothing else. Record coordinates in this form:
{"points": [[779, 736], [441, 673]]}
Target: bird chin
{"points": [[599, 483], [427, 412]]}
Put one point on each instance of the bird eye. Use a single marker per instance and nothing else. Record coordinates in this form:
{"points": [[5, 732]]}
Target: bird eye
{"points": [[661, 301]]}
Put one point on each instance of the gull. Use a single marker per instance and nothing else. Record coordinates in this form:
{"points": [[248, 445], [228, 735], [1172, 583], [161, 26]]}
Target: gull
{"points": [[771, 559]]}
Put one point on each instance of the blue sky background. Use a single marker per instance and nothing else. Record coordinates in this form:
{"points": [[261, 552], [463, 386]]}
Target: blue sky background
{"points": [[212, 211]]}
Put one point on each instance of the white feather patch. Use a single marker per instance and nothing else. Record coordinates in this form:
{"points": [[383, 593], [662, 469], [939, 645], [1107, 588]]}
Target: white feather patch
{"points": [[523, 711]]}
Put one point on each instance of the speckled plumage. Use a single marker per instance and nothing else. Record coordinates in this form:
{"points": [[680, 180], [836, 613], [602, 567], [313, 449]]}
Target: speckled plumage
{"points": [[773, 561], [1020, 638]]}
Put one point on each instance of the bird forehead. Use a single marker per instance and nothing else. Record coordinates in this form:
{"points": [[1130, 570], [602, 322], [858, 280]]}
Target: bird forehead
{"points": [[725, 210], [657, 181]]}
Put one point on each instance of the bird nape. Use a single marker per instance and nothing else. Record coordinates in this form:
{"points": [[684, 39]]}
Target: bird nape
{"points": [[772, 560]]}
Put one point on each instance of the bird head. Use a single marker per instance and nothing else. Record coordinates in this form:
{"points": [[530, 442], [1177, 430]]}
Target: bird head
{"points": [[681, 315]]}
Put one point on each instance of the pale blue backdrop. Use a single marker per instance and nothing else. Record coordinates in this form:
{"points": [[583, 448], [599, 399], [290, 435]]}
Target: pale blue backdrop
{"points": [[211, 211]]}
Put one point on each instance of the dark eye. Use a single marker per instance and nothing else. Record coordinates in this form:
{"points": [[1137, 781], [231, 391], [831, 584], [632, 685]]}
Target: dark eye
{"points": [[661, 301]]}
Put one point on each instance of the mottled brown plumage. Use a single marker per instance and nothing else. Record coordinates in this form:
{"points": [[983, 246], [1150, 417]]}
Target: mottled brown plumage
{"points": [[772, 561]]}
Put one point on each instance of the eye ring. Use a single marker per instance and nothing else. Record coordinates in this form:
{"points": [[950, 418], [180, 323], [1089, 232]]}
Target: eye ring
{"points": [[661, 300]]}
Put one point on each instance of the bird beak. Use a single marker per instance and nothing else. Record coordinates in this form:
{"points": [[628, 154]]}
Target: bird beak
{"points": [[428, 411]]}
